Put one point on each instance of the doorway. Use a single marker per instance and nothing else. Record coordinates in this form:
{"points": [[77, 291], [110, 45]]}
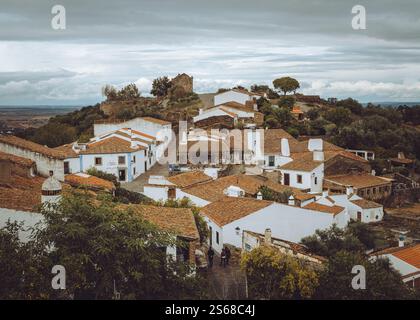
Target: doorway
{"points": [[121, 175], [286, 179]]}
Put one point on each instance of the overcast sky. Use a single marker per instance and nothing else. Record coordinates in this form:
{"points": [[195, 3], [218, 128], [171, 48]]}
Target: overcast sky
{"points": [[221, 43]]}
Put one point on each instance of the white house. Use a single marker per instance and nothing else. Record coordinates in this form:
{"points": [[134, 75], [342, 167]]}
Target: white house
{"points": [[126, 153], [47, 160], [148, 125], [161, 188], [229, 216], [236, 95], [358, 208], [246, 114], [406, 260]]}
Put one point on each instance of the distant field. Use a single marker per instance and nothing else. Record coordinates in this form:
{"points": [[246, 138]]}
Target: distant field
{"points": [[21, 117]]}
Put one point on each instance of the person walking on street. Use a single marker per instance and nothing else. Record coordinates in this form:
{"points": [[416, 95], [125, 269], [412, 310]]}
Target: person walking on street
{"points": [[223, 258], [227, 251], [210, 255]]}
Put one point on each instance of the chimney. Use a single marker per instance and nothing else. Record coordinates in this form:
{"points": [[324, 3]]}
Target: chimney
{"points": [[259, 195], [318, 155], [267, 236], [285, 150], [401, 241], [291, 200], [373, 173], [315, 144], [255, 107], [324, 193], [200, 111], [249, 104], [349, 190]]}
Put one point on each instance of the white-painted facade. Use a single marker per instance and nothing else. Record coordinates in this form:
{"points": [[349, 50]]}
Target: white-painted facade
{"points": [[232, 95], [286, 222], [44, 164], [151, 128], [355, 211], [311, 180]]}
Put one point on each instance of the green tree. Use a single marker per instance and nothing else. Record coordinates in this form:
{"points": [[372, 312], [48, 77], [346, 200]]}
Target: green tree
{"points": [[110, 92], [273, 275], [23, 266], [101, 245], [129, 92], [286, 84], [332, 240], [382, 281], [340, 116], [161, 86]]}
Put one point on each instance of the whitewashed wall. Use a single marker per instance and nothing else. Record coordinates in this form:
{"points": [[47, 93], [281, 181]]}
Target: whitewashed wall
{"points": [[230, 96], [44, 164], [286, 222], [110, 163], [139, 124], [308, 180]]}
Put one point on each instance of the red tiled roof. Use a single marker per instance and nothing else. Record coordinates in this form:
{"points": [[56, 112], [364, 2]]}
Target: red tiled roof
{"points": [[111, 145], [323, 208], [21, 193], [18, 160], [31, 146], [178, 220], [86, 180], [229, 209], [366, 204], [186, 179], [358, 180]]}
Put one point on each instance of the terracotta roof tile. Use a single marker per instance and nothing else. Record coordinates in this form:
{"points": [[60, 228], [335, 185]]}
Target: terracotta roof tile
{"points": [[67, 149], [409, 254], [323, 208], [303, 162], [18, 160], [31, 146], [366, 204], [358, 180], [110, 145], [214, 189], [272, 140], [178, 220], [186, 179], [21, 193], [86, 180], [229, 209]]}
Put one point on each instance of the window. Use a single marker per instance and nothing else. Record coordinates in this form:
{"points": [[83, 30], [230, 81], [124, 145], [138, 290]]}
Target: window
{"points": [[299, 178], [121, 160], [368, 191], [134, 170], [316, 180], [134, 159], [271, 161], [374, 190], [217, 237], [98, 161]]}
